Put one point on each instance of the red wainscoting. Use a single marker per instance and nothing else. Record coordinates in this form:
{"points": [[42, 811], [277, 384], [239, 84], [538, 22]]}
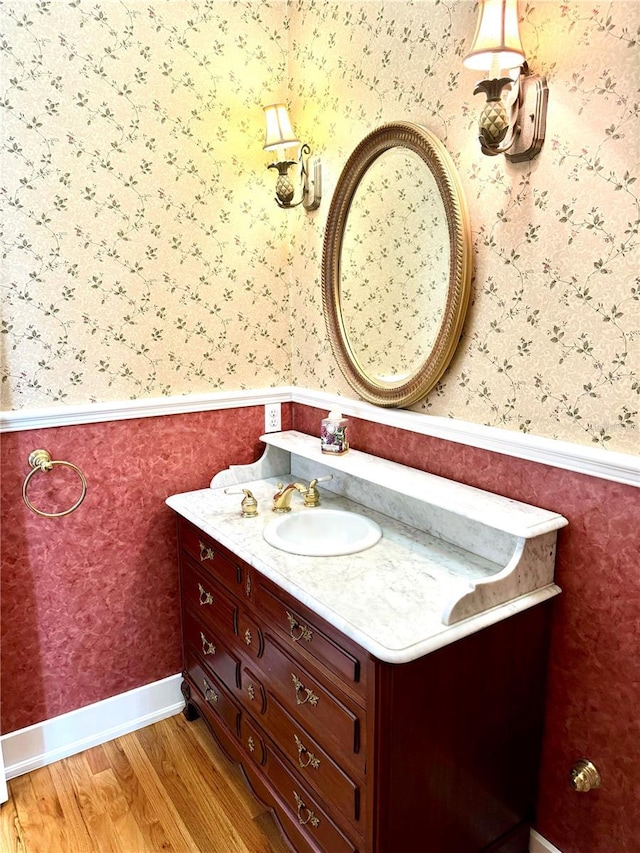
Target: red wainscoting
{"points": [[593, 698], [90, 600]]}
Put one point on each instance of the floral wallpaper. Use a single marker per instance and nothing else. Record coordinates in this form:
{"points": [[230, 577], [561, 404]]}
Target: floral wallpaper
{"points": [[144, 255], [551, 344]]}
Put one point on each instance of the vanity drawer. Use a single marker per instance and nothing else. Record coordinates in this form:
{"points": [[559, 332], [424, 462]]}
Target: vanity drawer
{"points": [[216, 697], [303, 630], [209, 554], [312, 762], [306, 813], [312, 704], [212, 652], [203, 595]]}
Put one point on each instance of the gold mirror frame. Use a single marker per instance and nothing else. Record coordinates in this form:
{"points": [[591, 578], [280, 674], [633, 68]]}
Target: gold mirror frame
{"points": [[438, 161]]}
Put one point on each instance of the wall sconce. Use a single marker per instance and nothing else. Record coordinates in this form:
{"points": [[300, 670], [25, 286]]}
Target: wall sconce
{"points": [[280, 136], [514, 126]]}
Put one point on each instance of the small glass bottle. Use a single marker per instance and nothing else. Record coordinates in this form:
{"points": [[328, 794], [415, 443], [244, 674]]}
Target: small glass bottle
{"points": [[333, 434]]}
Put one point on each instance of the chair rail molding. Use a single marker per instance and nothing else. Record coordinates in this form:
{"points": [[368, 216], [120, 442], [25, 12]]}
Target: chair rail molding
{"points": [[593, 461]]}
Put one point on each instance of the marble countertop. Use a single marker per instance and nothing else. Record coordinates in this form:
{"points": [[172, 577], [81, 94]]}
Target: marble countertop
{"points": [[389, 598]]}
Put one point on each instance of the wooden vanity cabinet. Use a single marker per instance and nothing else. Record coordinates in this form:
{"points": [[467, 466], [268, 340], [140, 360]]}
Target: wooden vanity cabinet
{"points": [[351, 753]]}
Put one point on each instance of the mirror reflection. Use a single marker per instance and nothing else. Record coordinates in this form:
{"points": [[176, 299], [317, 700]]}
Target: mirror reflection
{"points": [[394, 266]]}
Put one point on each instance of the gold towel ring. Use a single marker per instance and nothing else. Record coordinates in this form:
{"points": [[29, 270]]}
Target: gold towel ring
{"points": [[40, 460]]}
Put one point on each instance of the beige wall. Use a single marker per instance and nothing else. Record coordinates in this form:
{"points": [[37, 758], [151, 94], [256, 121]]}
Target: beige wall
{"points": [[551, 344], [145, 256], [142, 254]]}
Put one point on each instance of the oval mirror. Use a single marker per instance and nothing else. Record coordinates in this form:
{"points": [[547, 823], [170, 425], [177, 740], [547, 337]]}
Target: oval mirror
{"points": [[396, 265]]}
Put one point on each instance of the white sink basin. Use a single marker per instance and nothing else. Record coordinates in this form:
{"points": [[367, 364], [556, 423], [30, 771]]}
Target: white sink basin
{"points": [[321, 532]]}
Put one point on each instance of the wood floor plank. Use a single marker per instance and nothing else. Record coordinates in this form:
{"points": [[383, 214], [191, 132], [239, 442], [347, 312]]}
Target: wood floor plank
{"points": [[25, 802], [11, 838], [77, 833], [120, 815], [156, 793], [24, 811], [184, 768], [260, 834], [96, 759], [167, 788], [102, 805], [142, 811]]}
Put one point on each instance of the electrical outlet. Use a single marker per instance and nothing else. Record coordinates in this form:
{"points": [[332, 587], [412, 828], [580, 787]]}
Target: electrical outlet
{"points": [[272, 422]]}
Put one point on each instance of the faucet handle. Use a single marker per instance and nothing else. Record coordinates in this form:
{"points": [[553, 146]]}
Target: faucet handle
{"points": [[312, 495], [248, 505]]}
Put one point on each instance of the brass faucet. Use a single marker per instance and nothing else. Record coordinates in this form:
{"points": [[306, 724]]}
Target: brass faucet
{"points": [[282, 498]]}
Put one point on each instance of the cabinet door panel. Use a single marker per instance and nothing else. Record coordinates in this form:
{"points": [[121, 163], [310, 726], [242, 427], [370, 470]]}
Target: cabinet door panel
{"points": [[313, 704], [302, 630], [213, 692], [203, 595], [312, 762], [209, 554], [306, 811], [212, 651]]}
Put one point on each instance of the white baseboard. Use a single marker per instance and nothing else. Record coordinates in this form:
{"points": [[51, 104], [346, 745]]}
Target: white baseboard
{"points": [[538, 844], [43, 743]]}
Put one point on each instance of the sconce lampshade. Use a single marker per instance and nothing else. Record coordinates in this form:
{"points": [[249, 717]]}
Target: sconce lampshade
{"points": [[279, 131], [497, 37]]}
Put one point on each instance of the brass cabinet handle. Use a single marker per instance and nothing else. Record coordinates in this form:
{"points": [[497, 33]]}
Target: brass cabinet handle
{"points": [[297, 631], [205, 597], [207, 647], [310, 817], [209, 693], [311, 697], [251, 743], [311, 761], [251, 690], [247, 637], [205, 552]]}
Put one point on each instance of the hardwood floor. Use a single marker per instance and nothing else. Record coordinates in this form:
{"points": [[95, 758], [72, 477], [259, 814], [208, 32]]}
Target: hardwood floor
{"points": [[165, 788]]}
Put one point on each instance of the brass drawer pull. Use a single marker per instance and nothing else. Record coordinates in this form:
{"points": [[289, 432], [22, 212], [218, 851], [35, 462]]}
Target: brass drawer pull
{"points": [[251, 743], [205, 597], [311, 697], [298, 631], [209, 693], [311, 761], [310, 818], [251, 690], [207, 647], [247, 637], [205, 552]]}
